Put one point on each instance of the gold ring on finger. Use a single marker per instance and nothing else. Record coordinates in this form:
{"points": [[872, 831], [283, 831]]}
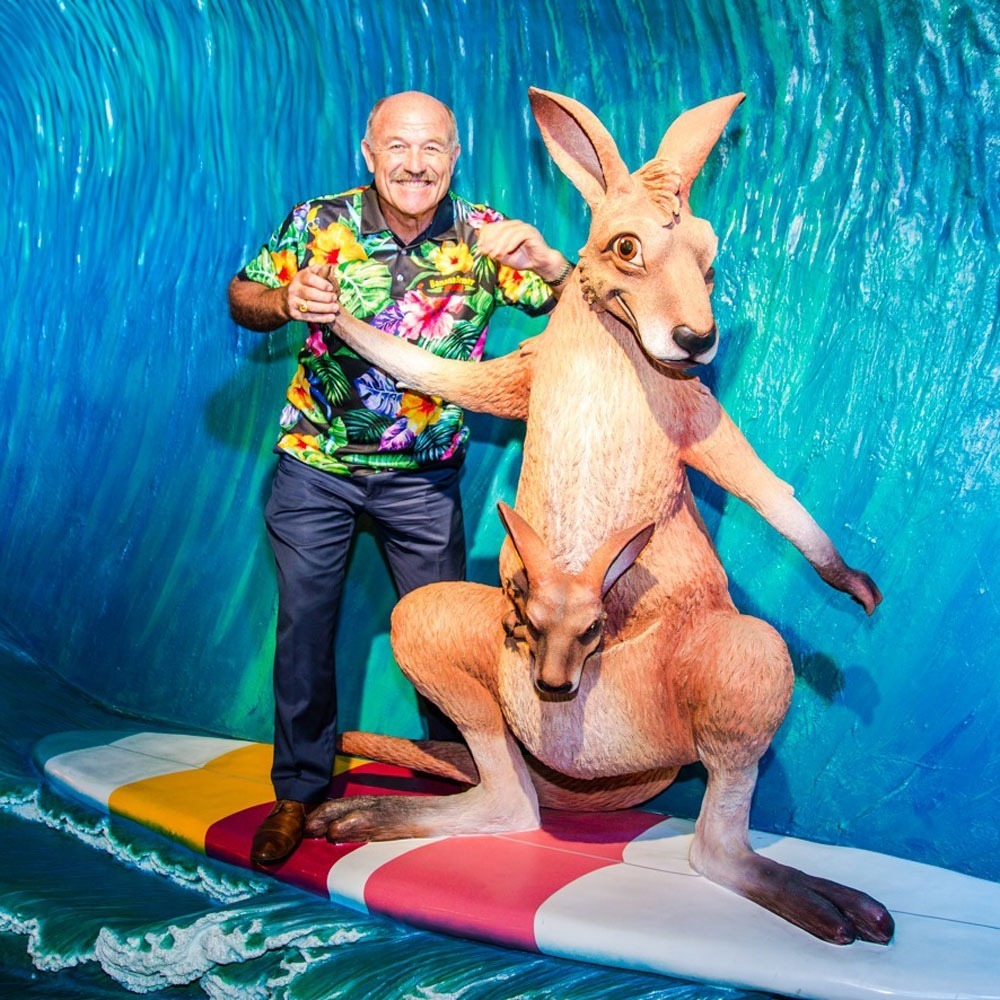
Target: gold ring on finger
{"points": [[303, 307]]}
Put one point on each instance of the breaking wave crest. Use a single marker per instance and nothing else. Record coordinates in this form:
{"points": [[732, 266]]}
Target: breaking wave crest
{"points": [[181, 953], [182, 867]]}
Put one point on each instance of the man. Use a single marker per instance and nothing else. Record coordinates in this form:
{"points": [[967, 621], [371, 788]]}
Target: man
{"points": [[412, 258]]}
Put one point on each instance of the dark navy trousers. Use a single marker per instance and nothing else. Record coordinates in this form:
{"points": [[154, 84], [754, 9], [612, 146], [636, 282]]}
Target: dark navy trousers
{"points": [[311, 518]]}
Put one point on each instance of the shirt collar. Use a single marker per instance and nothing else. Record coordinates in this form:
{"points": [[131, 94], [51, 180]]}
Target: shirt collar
{"points": [[373, 221]]}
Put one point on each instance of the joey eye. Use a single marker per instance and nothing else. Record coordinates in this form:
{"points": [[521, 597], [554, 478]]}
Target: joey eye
{"points": [[592, 631], [627, 248]]}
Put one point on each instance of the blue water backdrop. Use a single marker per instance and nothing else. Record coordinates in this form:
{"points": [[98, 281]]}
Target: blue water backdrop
{"points": [[150, 149]]}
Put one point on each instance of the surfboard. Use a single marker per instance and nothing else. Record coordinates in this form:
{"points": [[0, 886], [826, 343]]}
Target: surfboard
{"points": [[613, 889]]}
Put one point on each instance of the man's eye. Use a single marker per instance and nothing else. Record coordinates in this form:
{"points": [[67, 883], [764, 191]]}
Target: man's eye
{"points": [[710, 277]]}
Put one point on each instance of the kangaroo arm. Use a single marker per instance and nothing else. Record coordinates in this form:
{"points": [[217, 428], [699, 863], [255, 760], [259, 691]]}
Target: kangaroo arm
{"points": [[499, 387], [724, 455]]}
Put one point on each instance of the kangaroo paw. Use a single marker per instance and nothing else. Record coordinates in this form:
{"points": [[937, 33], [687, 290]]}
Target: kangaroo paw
{"points": [[390, 818], [828, 910], [319, 821], [394, 817]]}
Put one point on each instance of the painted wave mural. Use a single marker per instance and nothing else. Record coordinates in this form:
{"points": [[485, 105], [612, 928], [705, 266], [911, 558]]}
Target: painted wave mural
{"points": [[150, 148]]}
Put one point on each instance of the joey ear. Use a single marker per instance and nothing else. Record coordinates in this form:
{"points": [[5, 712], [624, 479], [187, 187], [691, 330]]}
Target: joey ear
{"points": [[693, 135], [616, 555], [580, 145], [529, 547]]}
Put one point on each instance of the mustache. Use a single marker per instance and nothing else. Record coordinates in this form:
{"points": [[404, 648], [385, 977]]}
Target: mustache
{"points": [[402, 174]]}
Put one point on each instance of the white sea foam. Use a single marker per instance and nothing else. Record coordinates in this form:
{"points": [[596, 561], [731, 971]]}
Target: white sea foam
{"points": [[42, 959], [179, 954], [167, 862]]}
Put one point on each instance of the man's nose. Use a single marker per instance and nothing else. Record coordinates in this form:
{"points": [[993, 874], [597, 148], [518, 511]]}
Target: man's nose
{"points": [[414, 160]]}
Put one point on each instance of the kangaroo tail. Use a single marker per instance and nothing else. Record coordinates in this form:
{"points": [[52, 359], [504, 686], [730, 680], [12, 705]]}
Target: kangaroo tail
{"points": [[440, 759]]}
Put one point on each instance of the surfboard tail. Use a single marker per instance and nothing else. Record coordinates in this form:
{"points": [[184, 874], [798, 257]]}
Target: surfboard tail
{"points": [[440, 759]]}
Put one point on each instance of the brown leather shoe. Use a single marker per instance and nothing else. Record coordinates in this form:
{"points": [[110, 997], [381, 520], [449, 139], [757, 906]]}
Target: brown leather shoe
{"points": [[279, 834]]}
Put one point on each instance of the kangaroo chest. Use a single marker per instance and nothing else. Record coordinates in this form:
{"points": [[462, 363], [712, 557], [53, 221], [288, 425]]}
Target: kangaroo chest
{"points": [[597, 454]]}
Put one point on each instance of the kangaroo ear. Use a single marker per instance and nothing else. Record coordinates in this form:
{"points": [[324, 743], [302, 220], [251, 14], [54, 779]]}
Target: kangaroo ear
{"points": [[693, 136], [580, 145], [616, 555], [530, 548]]}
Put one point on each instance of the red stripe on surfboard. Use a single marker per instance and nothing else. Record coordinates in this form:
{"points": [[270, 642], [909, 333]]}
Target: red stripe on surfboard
{"points": [[229, 839], [490, 887], [604, 834]]}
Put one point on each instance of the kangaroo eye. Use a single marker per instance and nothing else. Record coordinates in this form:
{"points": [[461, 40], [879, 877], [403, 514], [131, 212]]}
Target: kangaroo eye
{"points": [[627, 248], [592, 631]]}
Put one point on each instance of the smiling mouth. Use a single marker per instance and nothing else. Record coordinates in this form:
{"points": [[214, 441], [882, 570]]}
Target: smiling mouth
{"points": [[413, 181], [628, 312], [666, 364]]}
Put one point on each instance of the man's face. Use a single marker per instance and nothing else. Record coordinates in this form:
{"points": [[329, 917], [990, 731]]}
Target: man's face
{"points": [[412, 155]]}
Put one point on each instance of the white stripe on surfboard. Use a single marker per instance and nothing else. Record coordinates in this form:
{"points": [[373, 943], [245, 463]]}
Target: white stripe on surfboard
{"points": [[683, 925], [347, 879], [903, 886], [94, 773]]}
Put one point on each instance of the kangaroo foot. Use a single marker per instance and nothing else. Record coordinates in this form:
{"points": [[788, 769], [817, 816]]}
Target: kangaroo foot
{"points": [[367, 817], [828, 910], [394, 817]]}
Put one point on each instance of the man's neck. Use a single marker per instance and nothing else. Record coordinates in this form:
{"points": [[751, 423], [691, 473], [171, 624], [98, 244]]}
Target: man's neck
{"points": [[404, 227]]}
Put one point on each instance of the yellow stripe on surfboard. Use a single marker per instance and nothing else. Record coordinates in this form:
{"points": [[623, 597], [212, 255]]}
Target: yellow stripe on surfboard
{"points": [[183, 805]]}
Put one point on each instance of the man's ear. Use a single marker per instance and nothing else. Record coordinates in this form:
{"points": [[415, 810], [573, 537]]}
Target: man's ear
{"points": [[366, 152], [454, 156]]}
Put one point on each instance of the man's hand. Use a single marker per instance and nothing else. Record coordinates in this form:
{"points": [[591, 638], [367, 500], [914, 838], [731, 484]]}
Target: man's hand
{"points": [[311, 295], [519, 245]]}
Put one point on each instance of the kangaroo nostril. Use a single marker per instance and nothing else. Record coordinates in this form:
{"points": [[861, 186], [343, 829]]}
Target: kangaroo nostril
{"points": [[694, 343], [547, 688]]}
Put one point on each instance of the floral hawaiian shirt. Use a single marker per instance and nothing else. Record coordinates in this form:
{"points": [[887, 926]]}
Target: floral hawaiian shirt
{"points": [[343, 415]]}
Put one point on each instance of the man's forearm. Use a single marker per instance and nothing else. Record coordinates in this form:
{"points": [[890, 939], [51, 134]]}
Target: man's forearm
{"points": [[557, 281], [256, 306]]}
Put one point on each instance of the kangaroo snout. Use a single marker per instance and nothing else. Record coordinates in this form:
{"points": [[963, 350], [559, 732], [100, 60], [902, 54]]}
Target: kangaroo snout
{"points": [[696, 344], [544, 687]]}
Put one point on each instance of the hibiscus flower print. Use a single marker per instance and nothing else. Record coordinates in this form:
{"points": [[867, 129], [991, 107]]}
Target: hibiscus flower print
{"points": [[481, 215], [511, 281], [334, 245], [315, 341], [299, 392], [285, 265], [451, 257], [299, 443], [420, 411], [415, 413], [426, 318]]}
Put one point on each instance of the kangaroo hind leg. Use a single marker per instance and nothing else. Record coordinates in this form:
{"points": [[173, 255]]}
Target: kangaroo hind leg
{"points": [[747, 685], [447, 639]]}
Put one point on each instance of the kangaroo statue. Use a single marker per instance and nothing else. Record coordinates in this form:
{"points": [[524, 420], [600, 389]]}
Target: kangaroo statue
{"points": [[612, 654]]}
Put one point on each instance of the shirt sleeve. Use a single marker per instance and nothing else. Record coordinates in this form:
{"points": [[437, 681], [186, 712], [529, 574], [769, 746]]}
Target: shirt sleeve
{"points": [[279, 259], [524, 290]]}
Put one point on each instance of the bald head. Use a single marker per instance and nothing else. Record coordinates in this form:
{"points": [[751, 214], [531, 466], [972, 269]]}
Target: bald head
{"points": [[412, 102], [410, 147]]}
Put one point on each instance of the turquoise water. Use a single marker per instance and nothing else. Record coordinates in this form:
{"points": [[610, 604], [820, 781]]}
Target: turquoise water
{"points": [[148, 150]]}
